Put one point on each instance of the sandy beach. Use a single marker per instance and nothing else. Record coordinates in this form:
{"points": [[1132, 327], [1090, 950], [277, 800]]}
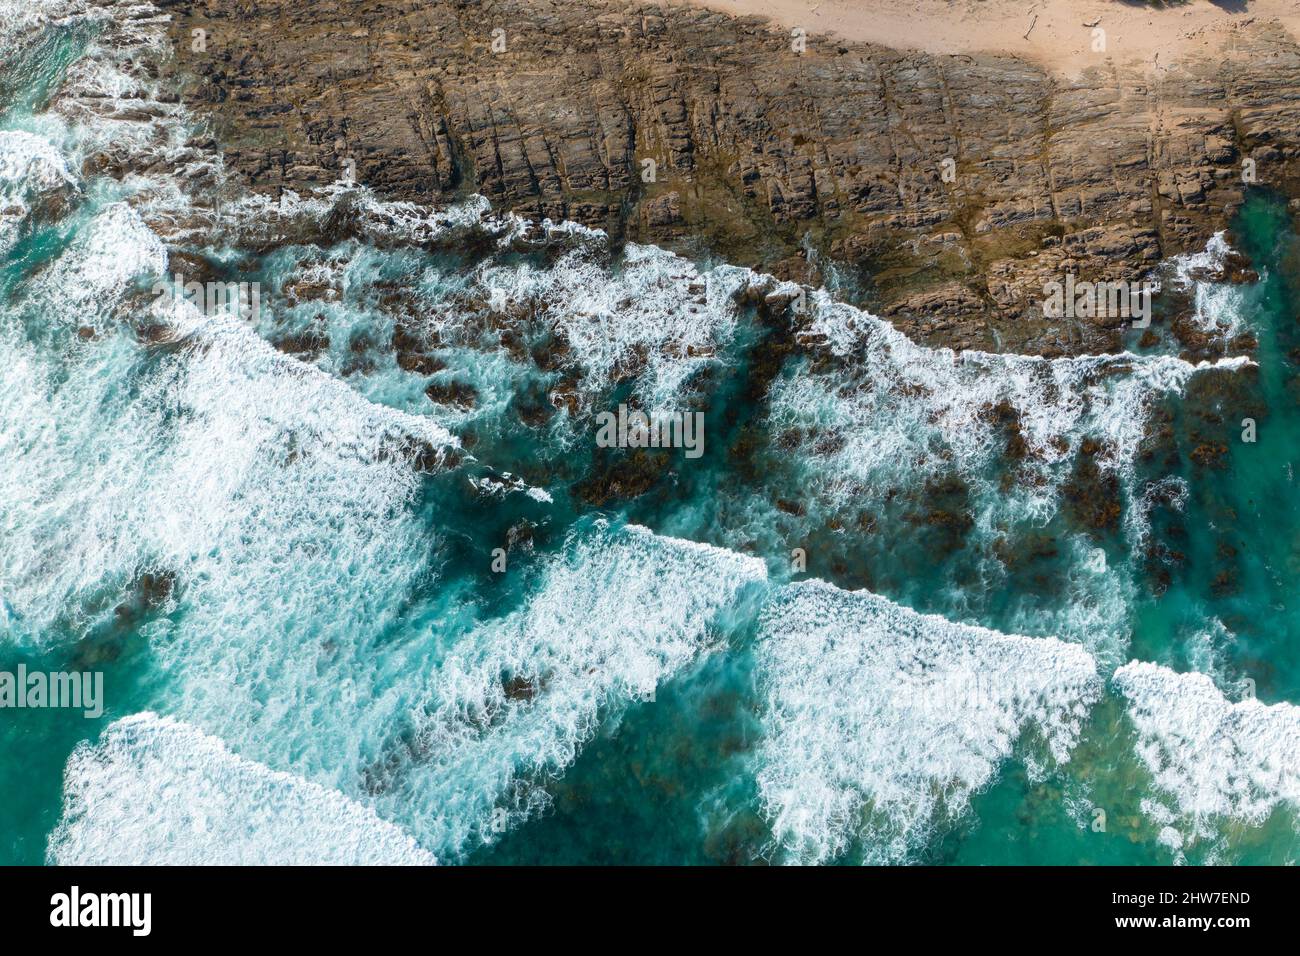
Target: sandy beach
{"points": [[1057, 34]]}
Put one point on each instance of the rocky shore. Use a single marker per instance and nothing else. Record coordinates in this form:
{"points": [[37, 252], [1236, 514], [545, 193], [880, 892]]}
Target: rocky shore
{"points": [[951, 187]]}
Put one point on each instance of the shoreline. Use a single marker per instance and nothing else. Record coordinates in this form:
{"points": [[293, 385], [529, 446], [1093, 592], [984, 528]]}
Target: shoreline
{"points": [[1056, 35], [960, 184]]}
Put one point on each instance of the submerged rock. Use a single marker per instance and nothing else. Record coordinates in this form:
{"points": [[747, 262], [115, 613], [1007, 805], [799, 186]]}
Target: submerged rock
{"points": [[455, 393]]}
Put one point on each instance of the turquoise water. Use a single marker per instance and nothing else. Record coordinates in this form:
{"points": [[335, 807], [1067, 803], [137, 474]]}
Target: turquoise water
{"points": [[282, 533]]}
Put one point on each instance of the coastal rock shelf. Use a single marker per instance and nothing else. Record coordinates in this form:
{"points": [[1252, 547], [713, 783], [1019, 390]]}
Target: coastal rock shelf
{"points": [[765, 156]]}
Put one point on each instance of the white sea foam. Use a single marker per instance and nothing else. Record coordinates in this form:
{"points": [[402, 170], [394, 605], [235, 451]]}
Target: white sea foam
{"points": [[285, 504], [879, 721], [906, 411], [894, 415], [109, 112], [157, 792], [655, 318], [20, 19], [1090, 607], [496, 485], [1211, 259], [70, 483], [75, 449], [281, 501], [647, 315], [223, 461], [1218, 307], [109, 255], [618, 613], [1210, 759], [31, 168], [262, 218]]}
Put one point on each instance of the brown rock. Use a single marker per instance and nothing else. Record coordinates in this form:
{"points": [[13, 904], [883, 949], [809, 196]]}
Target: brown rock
{"points": [[756, 148]]}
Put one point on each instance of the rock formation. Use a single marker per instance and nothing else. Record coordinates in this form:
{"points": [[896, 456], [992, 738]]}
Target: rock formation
{"points": [[760, 154]]}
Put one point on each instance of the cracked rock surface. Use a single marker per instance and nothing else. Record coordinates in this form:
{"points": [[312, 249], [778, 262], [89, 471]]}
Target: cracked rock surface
{"points": [[765, 157]]}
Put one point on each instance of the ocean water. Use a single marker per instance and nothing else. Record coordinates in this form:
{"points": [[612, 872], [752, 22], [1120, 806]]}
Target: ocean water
{"points": [[363, 587]]}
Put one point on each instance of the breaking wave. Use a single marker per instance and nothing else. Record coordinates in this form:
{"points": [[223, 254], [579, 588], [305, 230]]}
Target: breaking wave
{"points": [[1218, 306], [902, 412], [612, 618], [157, 792], [1211, 760], [266, 525], [880, 722]]}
